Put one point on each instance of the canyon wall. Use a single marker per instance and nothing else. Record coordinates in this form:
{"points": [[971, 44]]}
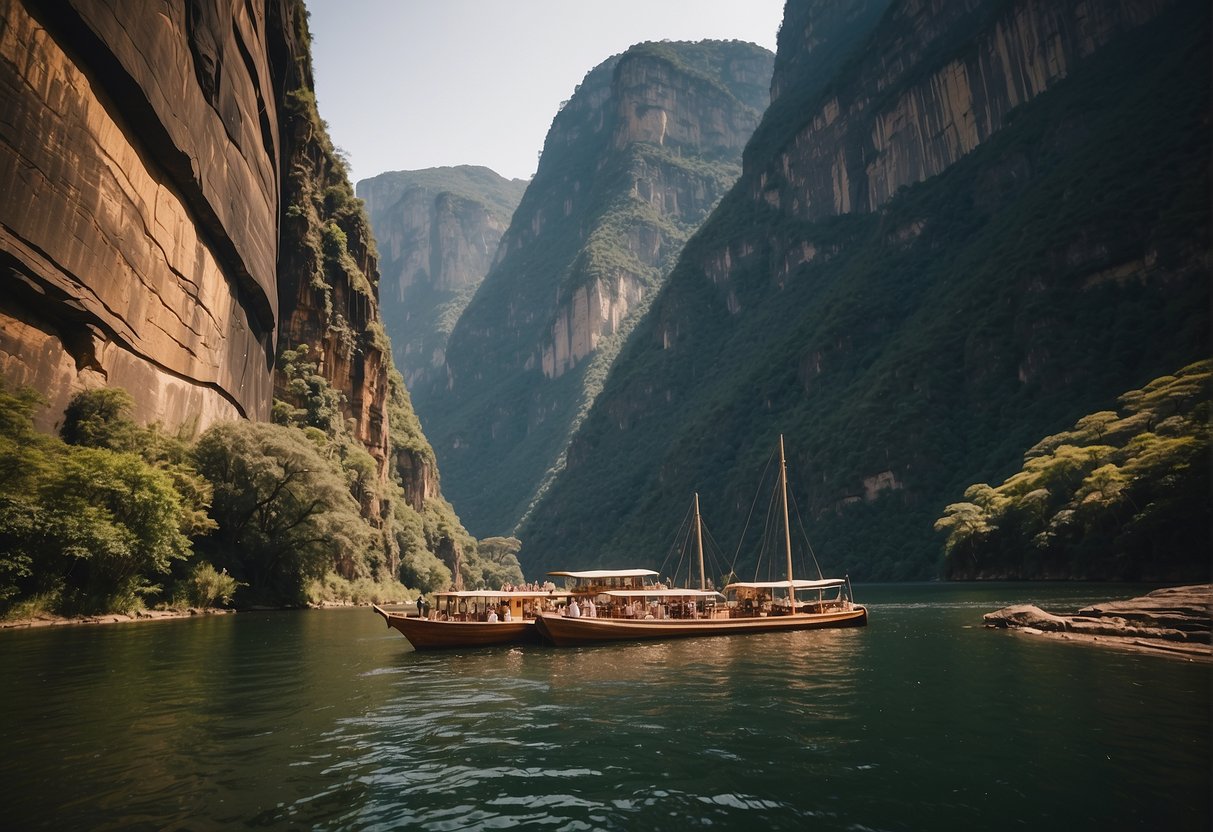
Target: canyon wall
{"points": [[437, 232], [176, 219], [955, 227], [634, 161], [126, 261], [947, 79]]}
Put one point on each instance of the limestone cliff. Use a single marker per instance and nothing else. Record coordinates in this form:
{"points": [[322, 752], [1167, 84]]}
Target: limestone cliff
{"points": [[437, 231], [950, 74], [175, 216], [632, 164], [956, 225], [127, 261], [328, 286]]}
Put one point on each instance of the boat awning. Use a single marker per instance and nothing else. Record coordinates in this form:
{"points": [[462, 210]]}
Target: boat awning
{"points": [[664, 593], [493, 593], [825, 584], [606, 573]]}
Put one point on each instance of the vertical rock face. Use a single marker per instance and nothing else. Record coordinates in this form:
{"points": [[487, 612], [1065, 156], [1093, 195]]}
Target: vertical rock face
{"points": [[126, 259], [956, 225], [437, 231], [632, 164], [174, 214], [905, 118]]}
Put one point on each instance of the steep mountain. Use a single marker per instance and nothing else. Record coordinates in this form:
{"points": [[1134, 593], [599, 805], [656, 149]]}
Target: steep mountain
{"points": [[176, 220], [972, 225], [437, 231], [633, 162]]}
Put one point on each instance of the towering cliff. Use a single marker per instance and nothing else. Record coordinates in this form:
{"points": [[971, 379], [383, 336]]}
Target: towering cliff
{"points": [[957, 227], [176, 221], [632, 164], [127, 261], [437, 231]]}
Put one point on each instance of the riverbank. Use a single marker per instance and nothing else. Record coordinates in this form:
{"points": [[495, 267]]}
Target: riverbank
{"points": [[47, 620], [1176, 621]]}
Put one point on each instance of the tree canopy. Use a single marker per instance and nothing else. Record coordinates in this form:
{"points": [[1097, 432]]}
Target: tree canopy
{"points": [[1123, 495]]}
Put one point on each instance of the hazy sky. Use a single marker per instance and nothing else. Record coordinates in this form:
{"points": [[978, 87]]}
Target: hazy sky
{"points": [[410, 84]]}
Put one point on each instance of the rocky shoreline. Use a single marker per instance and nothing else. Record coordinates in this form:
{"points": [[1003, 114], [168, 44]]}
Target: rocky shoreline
{"points": [[108, 618], [1176, 621]]}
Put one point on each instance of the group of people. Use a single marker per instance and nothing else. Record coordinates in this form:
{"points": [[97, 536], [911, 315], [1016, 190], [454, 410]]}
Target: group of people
{"points": [[506, 615], [575, 610], [529, 586]]}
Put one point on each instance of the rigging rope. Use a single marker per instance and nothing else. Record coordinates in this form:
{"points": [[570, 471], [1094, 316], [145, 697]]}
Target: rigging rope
{"points": [[757, 491]]}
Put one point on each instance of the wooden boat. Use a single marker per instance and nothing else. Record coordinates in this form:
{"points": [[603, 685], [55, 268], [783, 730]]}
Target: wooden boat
{"points": [[751, 607], [462, 619]]}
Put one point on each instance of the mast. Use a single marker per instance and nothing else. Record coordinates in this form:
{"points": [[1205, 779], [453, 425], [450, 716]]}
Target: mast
{"points": [[787, 529], [703, 584]]}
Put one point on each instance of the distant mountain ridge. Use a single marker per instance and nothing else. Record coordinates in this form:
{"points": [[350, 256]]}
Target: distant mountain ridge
{"points": [[634, 161], [437, 231], [957, 231]]}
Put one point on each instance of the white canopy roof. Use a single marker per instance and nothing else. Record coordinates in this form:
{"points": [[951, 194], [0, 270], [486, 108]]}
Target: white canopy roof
{"points": [[665, 593], [825, 584], [493, 593], [606, 573]]}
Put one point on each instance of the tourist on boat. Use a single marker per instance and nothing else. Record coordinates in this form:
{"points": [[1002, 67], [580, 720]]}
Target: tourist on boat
{"points": [[591, 611], [572, 610], [492, 619], [420, 606], [505, 614]]}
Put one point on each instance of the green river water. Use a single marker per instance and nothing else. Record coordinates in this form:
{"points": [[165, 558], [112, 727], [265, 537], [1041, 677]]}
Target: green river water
{"points": [[328, 720]]}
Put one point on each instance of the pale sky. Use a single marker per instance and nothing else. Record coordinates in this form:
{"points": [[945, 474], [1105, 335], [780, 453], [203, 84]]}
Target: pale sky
{"points": [[411, 84]]}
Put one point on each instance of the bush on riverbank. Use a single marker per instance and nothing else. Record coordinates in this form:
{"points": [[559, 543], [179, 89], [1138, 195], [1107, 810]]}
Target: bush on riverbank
{"points": [[111, 517], [333, 588], [87, 529], [204, 587]]}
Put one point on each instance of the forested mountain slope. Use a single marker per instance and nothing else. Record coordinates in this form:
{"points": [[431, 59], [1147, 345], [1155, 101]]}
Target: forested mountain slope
{"points": [[986, 220], [633, 162]]}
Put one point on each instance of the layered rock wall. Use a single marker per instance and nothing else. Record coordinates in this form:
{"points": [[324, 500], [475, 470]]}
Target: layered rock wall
{"points": [[126, 259], [933, 97]]}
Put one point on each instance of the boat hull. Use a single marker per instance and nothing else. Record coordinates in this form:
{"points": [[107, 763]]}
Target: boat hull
{"points": [[425, 634], [564, 632]]}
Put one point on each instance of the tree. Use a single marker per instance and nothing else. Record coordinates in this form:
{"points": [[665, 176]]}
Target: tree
{"points": [[285, 513], [100, 418], [498, 560]]}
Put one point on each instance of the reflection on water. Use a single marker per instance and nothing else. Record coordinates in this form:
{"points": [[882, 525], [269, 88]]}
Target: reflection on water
{"points": [[325, 720]]}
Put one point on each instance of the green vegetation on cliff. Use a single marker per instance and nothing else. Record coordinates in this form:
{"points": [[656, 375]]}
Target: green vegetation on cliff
{"points": [[336, 385], [632, 164], [908, 352], [1123, 495]]}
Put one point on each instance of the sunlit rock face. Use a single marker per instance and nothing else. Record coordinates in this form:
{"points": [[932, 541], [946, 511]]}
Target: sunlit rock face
{"points": [[139, 226]]}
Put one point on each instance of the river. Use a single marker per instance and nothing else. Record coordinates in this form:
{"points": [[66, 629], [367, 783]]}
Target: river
{"points": [[328, 720]]}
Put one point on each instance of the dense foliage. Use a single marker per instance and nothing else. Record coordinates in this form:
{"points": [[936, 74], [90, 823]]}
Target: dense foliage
{"points": [[1123, 495], [89, 525], [918, 348]]}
